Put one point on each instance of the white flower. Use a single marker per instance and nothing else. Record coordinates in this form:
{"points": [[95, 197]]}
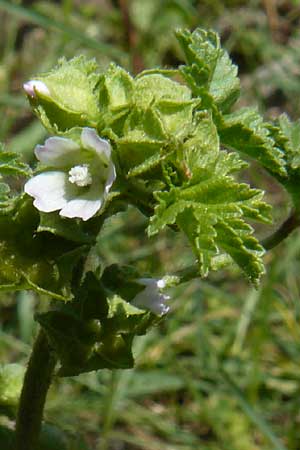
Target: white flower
{"points": [[151, 297], [78, 177], [36, 86]]}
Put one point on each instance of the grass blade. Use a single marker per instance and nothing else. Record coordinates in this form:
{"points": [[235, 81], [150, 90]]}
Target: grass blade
{"points": [[259, 421]]}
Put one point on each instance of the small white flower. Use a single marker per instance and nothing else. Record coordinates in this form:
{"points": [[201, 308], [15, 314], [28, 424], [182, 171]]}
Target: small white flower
{"points": [[151, 297], [36, 86], [78, 177]]}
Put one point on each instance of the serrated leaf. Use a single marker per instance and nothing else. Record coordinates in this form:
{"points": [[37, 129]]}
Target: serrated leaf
{"points": [[80, 345], [34, 261], [246, 132], [96, 331], [10, 164], [291, 136], [237, 240], [150, 163], [126, 319], [210, 202], [209, 70], [72, 100]]}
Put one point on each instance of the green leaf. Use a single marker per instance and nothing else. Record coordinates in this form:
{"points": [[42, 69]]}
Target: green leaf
{"points": [[201, 147], [122, 282], [209, 70], [115, 90], [211, 208], [169, 99], [291, 136], [151, 88], [176, 117], [115, 98], [143, 138], [246, 132], [96, 330], [74, 330], [31, 260], [67, 228], [127, 319], [71, 338], [90, 300], [10, 164], [72, 100], [80, 345]]}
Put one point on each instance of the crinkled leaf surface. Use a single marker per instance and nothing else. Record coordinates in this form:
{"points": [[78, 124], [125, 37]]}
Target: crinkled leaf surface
{"points": [[142, 115], [10, 165], [96, 331], [209, 69], [291, 134], [28, 260], [210, 206], [246, 132], [212, 77], [72, 100]]}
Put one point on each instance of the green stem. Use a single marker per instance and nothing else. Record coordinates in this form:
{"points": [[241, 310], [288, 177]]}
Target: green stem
{"points": [[33, 396], [289, 225]]}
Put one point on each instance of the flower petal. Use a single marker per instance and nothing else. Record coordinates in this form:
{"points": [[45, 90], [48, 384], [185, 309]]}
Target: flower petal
{"points": [[151, 298], [57, 152], [91, 140], [48, 190], [34, 86], [110, 179], [83, 207]]}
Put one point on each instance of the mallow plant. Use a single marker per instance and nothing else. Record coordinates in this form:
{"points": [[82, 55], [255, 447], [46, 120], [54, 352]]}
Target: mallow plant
{"points": [[172, 143]]}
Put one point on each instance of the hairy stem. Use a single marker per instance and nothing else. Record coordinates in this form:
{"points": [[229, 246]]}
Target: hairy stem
{"points": [[289, 225], [33, 396]]}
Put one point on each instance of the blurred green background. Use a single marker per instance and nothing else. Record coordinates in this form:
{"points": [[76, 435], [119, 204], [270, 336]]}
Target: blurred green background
{"points": [[222, 371]]}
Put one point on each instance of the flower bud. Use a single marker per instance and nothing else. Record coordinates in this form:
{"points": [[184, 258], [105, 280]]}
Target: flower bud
{"points": [[33, 87]]}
